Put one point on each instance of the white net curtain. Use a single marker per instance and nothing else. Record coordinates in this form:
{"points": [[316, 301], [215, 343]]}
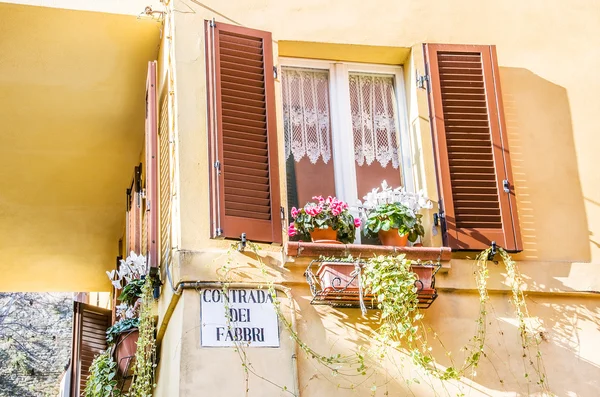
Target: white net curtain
{"points": [[307, 119], [306, 114], [374, 121]]}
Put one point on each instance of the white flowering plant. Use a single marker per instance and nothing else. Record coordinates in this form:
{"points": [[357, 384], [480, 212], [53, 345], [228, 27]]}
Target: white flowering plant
{"points": [[131, 268], [394, 209]]}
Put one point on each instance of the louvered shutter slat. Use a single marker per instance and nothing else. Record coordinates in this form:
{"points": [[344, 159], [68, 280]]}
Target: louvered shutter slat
{"points": [[471, 147], [245, 189]]}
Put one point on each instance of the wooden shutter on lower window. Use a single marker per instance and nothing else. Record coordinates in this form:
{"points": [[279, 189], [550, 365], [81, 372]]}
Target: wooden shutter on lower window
{"points": [[151, 168], [473, 161], [89, 339], [243, 135]]}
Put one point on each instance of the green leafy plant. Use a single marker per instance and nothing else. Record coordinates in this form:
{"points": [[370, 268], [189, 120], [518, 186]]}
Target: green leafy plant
{"points": [[394, 216], [102, 379], [394, 209], [132, 291], [330, 212], [143, 375], [119, 327]]}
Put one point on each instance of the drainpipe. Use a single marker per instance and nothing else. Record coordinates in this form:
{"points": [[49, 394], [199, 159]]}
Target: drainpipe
{"points": [[182, 285]]}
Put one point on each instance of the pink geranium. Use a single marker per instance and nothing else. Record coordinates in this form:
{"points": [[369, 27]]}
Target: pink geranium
{"points": [[357, 222]]}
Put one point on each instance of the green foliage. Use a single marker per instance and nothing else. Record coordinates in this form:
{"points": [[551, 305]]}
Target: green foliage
{"points": [[102, 379], [143, 376], [394, 216], [132, 291], [120, 327]]}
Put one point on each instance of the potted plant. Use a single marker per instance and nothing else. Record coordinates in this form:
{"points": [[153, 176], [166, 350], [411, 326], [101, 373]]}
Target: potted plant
{"points": [[342, 279], [393, 215], [326, 220], [123, 335]]}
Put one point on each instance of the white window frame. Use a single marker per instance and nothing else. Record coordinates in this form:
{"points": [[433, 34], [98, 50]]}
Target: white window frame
{"points": [[341, 121]]}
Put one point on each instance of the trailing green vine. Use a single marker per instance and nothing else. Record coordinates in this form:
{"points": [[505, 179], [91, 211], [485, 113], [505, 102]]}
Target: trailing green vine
{"points": [[143, 375], [102, 379], [529, 340], [392, 283]]}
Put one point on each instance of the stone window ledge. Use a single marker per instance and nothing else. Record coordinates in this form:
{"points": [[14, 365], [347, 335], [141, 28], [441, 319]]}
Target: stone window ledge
{"points": [[301, 249]]}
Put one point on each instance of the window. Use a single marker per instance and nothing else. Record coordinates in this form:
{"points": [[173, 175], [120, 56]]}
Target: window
{"points": [[343, 126], [346, 130]]}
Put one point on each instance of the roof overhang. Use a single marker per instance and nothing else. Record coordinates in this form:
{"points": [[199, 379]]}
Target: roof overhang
{"points": [[72, 87]]}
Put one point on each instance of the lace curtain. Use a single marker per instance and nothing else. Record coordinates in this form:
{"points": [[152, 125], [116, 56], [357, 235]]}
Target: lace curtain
{"points": [[306, 114], [373, 107]]}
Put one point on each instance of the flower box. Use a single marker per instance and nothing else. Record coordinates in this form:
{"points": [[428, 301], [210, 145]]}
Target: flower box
{"points": [[338, 284], [124, 353]]}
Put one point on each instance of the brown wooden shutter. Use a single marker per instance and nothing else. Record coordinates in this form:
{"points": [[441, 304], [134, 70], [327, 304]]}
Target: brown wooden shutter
{"points": [[473, 162], [243, 134], [151, 168], [164, 182], [133, 230], [89, 340]]}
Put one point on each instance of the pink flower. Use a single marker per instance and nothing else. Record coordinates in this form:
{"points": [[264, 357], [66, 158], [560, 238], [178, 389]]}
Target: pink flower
{"points": [[294, 212], [314, 210], [357, 222], [319, 199], [330, 199], [292, 230], [335, 211]]}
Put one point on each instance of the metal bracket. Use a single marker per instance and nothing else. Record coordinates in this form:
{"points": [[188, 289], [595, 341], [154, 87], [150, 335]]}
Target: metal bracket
{"points": [[506, 186], [422, 81], [218, 232], [275, 72], [492, 252], [242, 243]]}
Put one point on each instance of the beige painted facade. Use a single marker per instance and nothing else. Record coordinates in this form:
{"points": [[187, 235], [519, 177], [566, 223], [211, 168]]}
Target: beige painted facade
{"points": [[64, 238], [547, 66]]}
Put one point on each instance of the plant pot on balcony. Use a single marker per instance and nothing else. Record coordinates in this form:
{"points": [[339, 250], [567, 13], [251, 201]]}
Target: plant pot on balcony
{"points": [[338, 282], [337, 277], [392, 238], [327, 235], [125, 349]]}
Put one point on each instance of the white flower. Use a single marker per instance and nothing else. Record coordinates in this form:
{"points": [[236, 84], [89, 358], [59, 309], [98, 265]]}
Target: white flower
{"points": [[413, 201]]}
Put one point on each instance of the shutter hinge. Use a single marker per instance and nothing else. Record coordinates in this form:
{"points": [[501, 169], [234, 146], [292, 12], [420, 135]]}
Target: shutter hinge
{"points": [[282, 210], [423, 81], [275, 72], [212, 23], [217, 166], [218, 232], [506, 186]]}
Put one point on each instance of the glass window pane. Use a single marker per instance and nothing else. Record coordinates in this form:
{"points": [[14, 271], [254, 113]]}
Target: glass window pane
{"points": [[307, 126], [375, 131]]}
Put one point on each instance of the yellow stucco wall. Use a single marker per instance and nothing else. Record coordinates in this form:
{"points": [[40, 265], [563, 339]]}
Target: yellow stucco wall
{"points": [[548, 74], [72, 109]]}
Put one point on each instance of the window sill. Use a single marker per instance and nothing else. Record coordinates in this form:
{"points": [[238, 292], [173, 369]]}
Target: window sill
{"points": [[301, 249]]}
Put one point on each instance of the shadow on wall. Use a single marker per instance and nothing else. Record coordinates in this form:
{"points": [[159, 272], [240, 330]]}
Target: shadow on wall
{"points": [[566, 325], [549, 196]]}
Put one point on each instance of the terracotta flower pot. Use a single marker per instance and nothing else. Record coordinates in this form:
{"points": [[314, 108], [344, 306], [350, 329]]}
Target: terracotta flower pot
{"points": [[337, 276], [125, 350], [424, 278], [392, 238], [324, 236]]}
